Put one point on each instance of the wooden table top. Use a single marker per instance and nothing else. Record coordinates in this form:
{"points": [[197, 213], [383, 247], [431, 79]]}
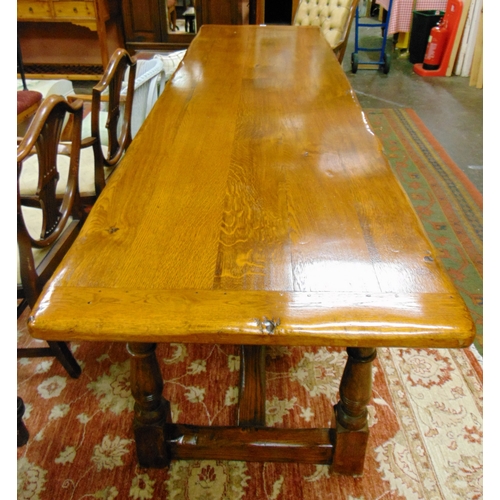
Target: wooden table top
{"points": [[254, 206]]}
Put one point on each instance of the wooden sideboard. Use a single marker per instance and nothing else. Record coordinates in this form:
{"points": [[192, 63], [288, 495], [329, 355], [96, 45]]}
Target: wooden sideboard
{"points": [[76, 34]]}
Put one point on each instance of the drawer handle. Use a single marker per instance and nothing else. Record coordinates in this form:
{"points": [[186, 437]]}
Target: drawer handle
{"points": [[75, 10], [31, 10]]}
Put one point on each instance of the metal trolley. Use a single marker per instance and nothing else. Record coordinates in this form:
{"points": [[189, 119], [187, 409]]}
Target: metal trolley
{"points": [[384, 61]]}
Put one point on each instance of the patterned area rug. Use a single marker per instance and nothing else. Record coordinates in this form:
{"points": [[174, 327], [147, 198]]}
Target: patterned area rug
{"points": [[425, 415]]}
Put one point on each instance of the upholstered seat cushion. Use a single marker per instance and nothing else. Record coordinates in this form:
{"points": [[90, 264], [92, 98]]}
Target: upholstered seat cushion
{"points": [[29, 174], [33, 219], [330, 15], [26, 99], [171, 61]]}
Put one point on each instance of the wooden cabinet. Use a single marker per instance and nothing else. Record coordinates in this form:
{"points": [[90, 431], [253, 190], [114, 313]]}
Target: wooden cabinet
{"points": [[219, 12], [69, 33], [145, 21]]}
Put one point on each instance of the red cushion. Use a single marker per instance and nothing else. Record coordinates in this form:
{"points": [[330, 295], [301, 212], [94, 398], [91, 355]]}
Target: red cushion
{"points": [[26, 99]]}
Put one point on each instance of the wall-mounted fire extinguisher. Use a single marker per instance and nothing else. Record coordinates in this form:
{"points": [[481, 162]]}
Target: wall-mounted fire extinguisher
{"points": [[436, 45]]}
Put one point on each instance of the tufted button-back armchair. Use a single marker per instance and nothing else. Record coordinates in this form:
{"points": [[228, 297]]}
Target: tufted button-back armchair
{"points": [[334, 17]]}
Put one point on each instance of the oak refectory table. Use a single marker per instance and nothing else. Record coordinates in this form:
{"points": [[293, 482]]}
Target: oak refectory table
{"points": [[254, 207]]}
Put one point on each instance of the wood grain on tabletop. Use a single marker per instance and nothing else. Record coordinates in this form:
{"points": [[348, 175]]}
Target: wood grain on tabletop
{"points": [[255, 192]]}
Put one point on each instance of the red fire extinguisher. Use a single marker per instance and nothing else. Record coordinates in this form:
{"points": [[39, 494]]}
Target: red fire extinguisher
{"points": [[436, 45]]}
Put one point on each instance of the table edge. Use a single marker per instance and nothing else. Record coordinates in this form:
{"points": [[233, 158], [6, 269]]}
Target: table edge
{"points": [[253, 317]]}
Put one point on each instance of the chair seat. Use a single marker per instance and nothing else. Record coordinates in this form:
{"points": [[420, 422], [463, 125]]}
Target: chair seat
{"points": [[44, 88], [27, 103], [29, 176], [26, 99]]}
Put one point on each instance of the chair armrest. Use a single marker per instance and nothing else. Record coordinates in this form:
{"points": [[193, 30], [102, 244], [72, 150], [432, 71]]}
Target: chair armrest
{"points": [[87, 142], [64, 148], [75, 97], [88, 97]]}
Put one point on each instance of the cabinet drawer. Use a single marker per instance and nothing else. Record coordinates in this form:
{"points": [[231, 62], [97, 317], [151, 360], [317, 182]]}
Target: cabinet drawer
{"points": [[74, 10], [33, 10]]}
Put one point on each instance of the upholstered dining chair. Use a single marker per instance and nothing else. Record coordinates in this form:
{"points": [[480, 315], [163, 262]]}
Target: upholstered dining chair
{"points": [[47, 225], [334, 17]]}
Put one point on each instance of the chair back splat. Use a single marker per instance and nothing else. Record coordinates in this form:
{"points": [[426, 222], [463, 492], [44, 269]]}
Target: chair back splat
{"points": [[47, 224]]}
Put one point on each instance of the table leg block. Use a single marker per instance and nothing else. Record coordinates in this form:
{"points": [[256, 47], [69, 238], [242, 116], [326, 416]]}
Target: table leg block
{"points": [[151, 439], [349, 451], [350, 414]]}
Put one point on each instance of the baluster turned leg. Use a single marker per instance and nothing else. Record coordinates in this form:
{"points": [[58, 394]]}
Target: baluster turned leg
{"points": [[350, 414], [152, 411]]}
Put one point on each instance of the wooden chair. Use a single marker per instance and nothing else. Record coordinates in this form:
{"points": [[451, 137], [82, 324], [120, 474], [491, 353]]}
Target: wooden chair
{"points": [[334, 17], [46, 224], [111, 111]]}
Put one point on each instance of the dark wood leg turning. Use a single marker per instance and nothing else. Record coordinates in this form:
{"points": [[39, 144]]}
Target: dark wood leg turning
{"points": [[152, 411], [350, 415], [252, 395], [22, 431], [59, 350], [65, 357]]}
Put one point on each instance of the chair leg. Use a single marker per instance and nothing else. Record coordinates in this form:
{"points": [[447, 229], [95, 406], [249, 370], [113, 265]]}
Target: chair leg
{"points": [[65, 357], [22, 431]]}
